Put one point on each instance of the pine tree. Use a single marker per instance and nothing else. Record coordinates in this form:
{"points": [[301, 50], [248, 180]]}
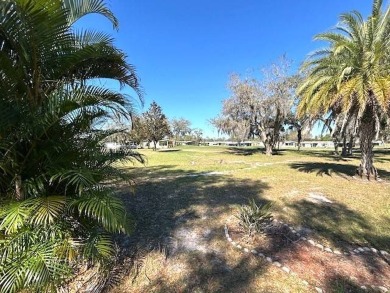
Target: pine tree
{"points": [[156, 124]]}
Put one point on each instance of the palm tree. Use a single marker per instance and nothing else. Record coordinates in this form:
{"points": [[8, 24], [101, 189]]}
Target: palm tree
{"points": [[352, 72], [57, 203]]}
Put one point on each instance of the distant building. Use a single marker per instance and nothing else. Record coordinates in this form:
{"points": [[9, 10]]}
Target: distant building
{"points": [[112, 146], [169, 143], [185, 142], [290, 143], [230, 143], [377, 143], [308, 144], [161, 144]]}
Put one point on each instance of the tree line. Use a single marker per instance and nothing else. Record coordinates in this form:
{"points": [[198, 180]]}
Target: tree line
{"points": [[153, 126]]}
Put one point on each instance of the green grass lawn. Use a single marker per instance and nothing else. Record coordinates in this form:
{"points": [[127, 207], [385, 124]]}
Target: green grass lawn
{"points": [[185, 196]]}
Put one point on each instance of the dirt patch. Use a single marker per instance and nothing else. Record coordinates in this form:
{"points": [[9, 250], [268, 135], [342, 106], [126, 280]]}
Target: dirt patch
{"points": [[320, 268], [186, 240], [319, 198]]}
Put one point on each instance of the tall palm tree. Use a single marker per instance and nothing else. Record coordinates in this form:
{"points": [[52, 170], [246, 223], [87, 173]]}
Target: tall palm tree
{"points": [[57, 203], [352, 72]]}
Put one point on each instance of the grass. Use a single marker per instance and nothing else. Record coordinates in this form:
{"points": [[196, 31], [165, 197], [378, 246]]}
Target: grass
{"points": [[184, 196]]}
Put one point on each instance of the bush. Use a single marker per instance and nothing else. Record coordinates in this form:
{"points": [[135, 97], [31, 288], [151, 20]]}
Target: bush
{"points": [[254, 218], [58, 206]]}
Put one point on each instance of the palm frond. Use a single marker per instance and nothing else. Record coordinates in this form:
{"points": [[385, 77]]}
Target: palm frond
{"points": [[105, 208], [79, 8], [46, 209], [37, 267], [98, 247], [14, 216]]}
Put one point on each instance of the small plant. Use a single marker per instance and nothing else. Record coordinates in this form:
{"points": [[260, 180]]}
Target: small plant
{"points": [[254, 218]]}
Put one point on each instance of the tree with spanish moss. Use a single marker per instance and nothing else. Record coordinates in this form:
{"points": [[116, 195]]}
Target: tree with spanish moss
{"points": [[259, 107], [180, 127]]}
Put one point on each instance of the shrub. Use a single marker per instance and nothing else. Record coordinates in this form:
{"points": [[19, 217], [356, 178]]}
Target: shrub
{"points": [[254, 218]]}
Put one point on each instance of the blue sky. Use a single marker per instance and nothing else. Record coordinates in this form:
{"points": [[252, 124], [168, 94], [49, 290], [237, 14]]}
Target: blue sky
{"points": [[184, 51]]}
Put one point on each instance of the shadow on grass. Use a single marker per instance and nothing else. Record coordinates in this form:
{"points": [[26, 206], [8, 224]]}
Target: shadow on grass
{"points": [[328, 154], [212, 273], [167, 198], [168, 150], [382, 151], [328, 169], [344, 170], [225, 278], [340, 284], [243, 151], [380, 154], [170, 204], [335, 220], [250, 151], [156, 172]]}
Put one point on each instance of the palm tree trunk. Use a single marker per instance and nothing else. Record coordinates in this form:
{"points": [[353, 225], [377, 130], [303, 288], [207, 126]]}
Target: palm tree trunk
{"points": [[350, 145], [367, 134], [336, 146], [299, 136], [18, 188], [344, 150]]}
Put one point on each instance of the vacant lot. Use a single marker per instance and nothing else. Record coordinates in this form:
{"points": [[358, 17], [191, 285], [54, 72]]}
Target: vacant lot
{"points": [[183, 198]]}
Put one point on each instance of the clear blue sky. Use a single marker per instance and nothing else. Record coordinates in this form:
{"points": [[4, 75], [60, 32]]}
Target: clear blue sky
{"points": [[185, 50]]}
